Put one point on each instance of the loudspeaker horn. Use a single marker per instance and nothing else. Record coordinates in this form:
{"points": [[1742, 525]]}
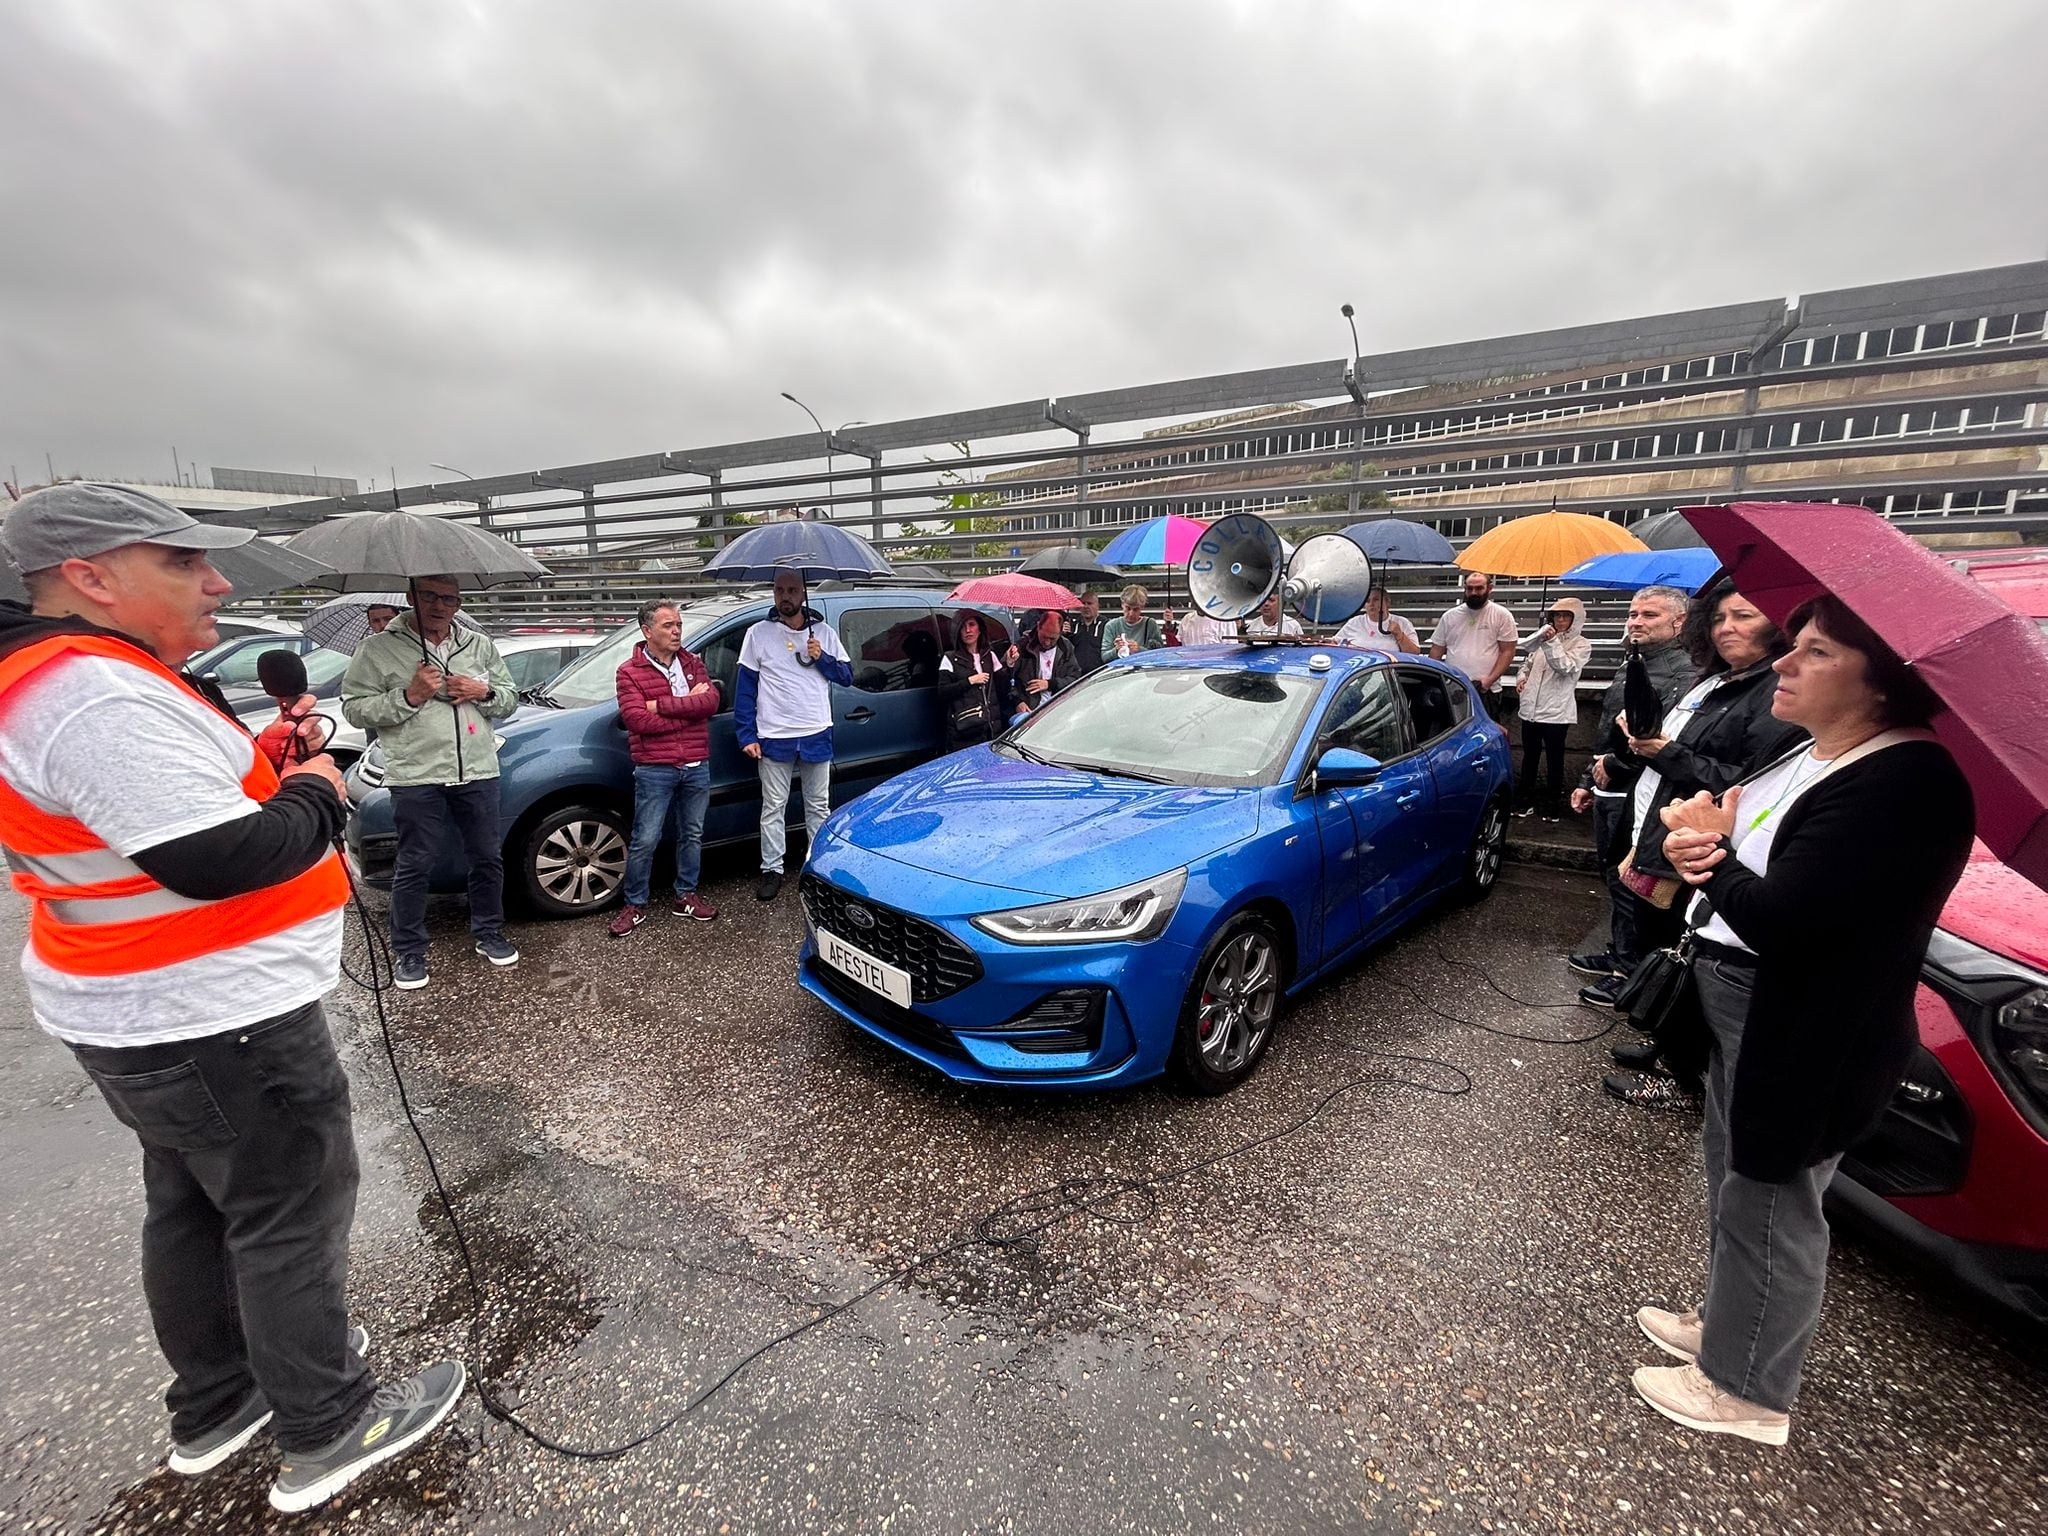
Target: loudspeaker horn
{"points": [[1328, 580], [1234, 565]]}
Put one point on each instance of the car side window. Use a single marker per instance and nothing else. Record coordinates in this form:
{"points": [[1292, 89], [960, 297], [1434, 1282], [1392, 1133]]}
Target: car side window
{"points": [[1435, 705], [893, 649], [1365, 717], [721, 657]]}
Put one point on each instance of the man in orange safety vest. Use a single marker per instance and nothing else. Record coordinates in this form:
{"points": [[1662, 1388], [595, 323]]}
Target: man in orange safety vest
{"points": [[185, 922]]}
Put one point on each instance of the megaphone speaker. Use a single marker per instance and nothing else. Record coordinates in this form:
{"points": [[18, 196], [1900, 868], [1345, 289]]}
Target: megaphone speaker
{"points": [[1234, 565]]}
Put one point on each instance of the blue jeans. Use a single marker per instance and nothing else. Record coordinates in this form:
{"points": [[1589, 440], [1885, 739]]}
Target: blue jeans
{"points": [[421, 814], [662, 793]]}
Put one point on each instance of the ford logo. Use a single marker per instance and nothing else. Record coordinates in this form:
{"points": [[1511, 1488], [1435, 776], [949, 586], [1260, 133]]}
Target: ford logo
{"points": [[860, 917]]}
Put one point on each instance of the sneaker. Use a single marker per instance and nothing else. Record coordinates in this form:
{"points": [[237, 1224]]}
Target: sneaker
{"points": [[1676, 1333], [499, 950], [1635, 1057], [1683, 1394], [409, 972], [1600, 965], [189, 1458], [1601, 994], [628, 919], [1527, 810], [1647, 1090], [769, 886], [401, 1415], [695, 908]]}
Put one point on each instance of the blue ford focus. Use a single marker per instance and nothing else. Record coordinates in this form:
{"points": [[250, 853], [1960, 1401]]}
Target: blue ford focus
{"points": [[1135, 879]]}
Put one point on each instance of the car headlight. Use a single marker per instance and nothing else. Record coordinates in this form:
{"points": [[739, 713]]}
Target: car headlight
{"points": [[2020, 1031], [1131, 914]]}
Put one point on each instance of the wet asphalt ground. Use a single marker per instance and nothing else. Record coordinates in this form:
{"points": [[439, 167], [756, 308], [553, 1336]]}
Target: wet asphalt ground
{"points": [[1411, 1314]]}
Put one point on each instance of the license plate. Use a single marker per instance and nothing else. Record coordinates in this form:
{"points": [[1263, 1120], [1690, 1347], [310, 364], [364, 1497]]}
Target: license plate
{"points": [[876, 975]]}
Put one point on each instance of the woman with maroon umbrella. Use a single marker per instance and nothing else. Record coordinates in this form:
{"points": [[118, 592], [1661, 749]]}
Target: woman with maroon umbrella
{"points": [[1819, 881]]}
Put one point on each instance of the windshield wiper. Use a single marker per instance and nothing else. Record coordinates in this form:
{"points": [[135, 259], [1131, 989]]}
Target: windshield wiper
{"points": [[1114, 773], [541, 696], [1030, 756]]}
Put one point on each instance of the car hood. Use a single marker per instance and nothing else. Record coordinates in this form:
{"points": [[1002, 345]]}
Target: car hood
{"points": [[2001, 910], [999, 821]]}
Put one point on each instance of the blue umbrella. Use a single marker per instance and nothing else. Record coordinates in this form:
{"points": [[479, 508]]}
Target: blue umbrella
{"points": [[815, 551], [1686, 569], [1401, 542]]}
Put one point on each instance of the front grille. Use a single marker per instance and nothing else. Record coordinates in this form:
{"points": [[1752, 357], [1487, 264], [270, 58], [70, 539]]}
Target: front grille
{"points": [[902, 1022], [939, 964]]}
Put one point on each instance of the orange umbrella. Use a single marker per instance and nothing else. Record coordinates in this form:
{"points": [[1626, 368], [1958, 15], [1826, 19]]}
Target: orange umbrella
{"points": [[1546, 544]]}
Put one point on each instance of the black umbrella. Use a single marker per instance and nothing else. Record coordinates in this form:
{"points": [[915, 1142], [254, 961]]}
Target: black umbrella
{"points": [[1070, 564], [1667, 530], [1639, 700]]}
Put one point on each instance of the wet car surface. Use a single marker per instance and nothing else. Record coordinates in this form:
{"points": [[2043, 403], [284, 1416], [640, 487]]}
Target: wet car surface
{"points": [[1412, 1314]]}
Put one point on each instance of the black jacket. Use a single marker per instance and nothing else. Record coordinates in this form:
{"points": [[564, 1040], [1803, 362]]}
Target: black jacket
{"points": [[1733, 735], [1671, 673], [955, 692], [1839, 921], [1086, 640], [1066, 671]]}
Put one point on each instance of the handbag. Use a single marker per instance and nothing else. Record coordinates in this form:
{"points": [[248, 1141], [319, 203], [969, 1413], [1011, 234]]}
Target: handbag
{"points": [[1659, 893], [971, 712], [1661, 998]]}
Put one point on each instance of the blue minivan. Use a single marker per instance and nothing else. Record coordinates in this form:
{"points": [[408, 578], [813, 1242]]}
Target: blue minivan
{"points": [[566, 779]]}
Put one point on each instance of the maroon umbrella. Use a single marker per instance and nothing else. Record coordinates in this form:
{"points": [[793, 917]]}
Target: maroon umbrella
{"points": [[1013, 591], [1987, 662]]}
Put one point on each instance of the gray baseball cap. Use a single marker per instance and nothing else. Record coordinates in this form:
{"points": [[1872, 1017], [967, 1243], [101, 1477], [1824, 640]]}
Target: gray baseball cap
{"points": [[82, 518]]}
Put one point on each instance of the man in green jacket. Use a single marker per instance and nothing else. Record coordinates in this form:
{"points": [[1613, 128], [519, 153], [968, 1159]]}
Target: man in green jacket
{"points": [[430, 691]]}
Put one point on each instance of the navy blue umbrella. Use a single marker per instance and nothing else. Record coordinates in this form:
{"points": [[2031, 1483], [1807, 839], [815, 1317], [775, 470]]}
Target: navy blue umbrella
{"points": [[815, 551], [1401, 542]]}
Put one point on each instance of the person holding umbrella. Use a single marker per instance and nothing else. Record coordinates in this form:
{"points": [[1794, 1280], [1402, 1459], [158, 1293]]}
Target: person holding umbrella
{"points": [[431, 690], [1819, 881], [782, 715]]}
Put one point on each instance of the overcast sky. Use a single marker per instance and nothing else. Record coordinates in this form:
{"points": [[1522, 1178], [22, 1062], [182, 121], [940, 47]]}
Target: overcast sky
{"points": [[511, 233]]}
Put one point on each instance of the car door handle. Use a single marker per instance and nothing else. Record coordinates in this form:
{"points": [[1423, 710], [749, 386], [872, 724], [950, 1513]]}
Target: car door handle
{"points": [[1410, 798], [1478, 767], [863, 713]]}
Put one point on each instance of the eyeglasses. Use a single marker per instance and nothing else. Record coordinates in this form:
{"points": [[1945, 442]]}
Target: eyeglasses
{"points": [[451, 599]]}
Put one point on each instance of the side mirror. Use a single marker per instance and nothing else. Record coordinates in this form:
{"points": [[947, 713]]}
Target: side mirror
{"points": [[1341, 768]]}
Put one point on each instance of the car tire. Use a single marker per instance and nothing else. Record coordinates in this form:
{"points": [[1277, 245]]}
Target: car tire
{"points": [[572, 862], [1232, 1004], [1488, 851]]}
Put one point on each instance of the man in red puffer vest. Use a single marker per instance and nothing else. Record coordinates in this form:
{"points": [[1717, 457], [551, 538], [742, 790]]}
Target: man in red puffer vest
{"points": [[666, 701]]}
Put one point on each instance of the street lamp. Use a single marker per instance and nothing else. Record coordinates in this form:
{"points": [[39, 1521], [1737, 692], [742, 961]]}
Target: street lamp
{"points": [[1356, 386], [830, 486], [483, 507]]}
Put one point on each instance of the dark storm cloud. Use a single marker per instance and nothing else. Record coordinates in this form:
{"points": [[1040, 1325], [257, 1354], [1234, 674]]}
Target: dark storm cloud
{"points": [[508, 234]]}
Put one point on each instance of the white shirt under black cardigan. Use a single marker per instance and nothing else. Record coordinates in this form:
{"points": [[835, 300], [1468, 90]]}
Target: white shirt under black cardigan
{"points": [[1839, 921]]}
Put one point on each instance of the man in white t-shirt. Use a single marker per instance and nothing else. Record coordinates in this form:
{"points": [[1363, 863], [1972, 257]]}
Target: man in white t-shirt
{"points": [[1270, 621], [1478, 637], [186, 921], [782, 714], [1379, 628]]}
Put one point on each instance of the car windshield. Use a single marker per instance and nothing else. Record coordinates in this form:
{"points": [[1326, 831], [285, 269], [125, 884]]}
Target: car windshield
{"points": [[593, 677], [1172, 725]]}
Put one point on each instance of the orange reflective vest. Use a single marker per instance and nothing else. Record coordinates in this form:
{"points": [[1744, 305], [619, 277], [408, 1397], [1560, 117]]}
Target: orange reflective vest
{"points": [[95, 913]]}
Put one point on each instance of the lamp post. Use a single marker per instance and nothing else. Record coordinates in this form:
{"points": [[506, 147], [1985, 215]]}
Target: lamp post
{"points": [[830, 486], [483, 507], [1356, 387]]}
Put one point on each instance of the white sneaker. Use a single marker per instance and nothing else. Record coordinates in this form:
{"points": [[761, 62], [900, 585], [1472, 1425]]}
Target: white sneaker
{"points": [[1684, 1395]]}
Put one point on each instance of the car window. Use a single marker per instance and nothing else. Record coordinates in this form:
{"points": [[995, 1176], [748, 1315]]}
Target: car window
{"points": [[324, 667], [892, 649], [239, 668], [1435, 704], [1179, 725], [1366, 717], [721, 657], [531, 668]]}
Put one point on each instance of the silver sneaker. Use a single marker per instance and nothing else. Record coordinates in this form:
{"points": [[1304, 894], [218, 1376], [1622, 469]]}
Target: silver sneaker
{"points": [[402, 1414]]}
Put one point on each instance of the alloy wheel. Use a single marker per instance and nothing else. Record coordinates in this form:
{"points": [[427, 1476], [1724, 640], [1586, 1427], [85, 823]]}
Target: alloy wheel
{"points": [[1239, 996], [1489, 848]]}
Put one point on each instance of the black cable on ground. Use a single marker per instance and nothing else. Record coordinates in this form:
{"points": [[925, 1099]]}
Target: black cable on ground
{"points": [[1017, 1224]]}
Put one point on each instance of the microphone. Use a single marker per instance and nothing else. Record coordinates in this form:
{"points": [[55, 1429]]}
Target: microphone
{"points": [[282, 675]]}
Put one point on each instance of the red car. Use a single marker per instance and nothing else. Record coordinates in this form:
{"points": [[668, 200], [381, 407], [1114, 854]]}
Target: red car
{"points": [[1958, 1168]]}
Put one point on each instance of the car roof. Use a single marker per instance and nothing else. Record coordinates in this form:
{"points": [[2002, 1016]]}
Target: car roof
{"points": [[1290, 658]]}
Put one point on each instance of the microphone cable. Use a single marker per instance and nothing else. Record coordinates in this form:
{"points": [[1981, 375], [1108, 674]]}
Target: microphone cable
{"points": [[1018, 1224]]}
